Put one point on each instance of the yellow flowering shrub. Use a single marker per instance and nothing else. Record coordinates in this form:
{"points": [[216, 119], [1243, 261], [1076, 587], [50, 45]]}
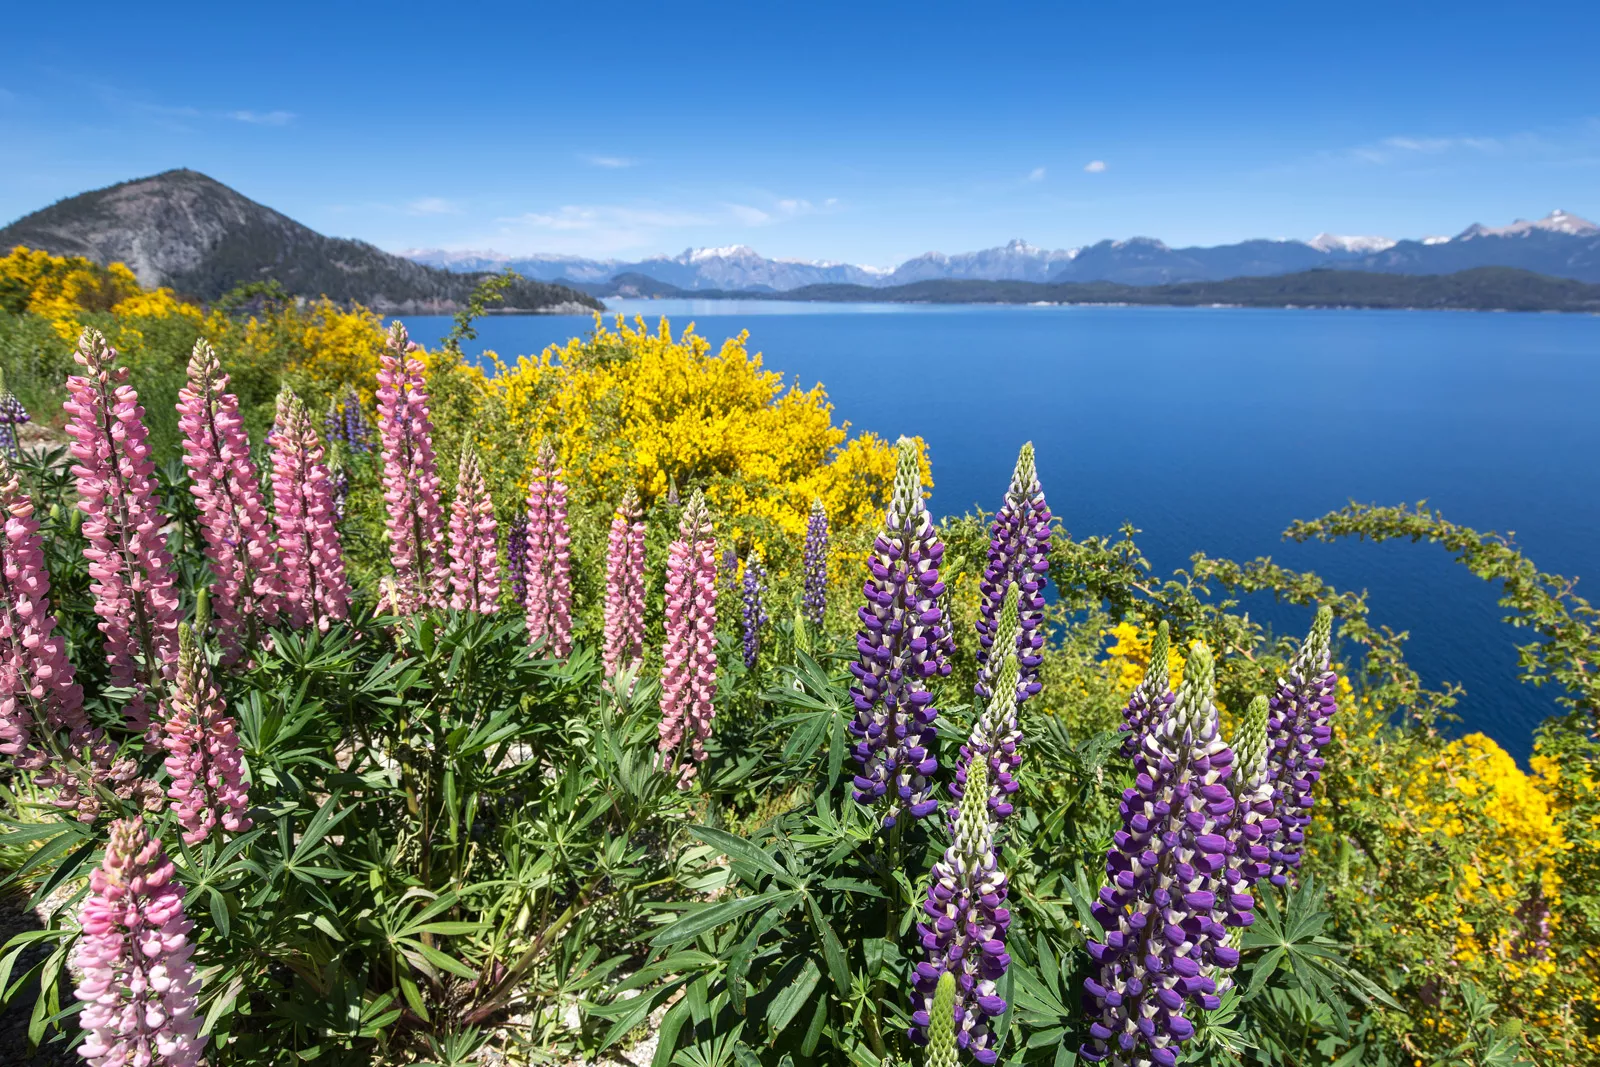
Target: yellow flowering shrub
{"points": [[60, 288]]}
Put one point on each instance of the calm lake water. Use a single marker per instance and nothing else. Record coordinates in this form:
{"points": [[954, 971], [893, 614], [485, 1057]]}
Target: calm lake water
{"points": [[1211, 429]]}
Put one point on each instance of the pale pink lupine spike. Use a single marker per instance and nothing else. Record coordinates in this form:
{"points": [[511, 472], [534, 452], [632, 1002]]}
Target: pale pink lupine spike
{"points": [[474, 553], [624, 621], [202, 743], [246, 595], [127, 553], [311, 559], [549, 560], [411, 487], [133, 966], [689, 668], [42, 724]]}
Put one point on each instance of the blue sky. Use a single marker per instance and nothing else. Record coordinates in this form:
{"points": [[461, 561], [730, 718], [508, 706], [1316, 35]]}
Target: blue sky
{"points": [[867, 133]]}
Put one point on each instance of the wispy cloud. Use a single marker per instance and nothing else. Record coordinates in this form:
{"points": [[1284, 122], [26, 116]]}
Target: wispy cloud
{"points": [[432, 205], [262, 118], [1036, 174], [605, 229], [609, 162], [1095, 166], [1398, 149]]}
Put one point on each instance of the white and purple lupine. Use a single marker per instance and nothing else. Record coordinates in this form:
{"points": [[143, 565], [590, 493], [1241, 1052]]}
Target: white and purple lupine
{"points": [[903, 646], [1019, 554], [1254, 823], [1297, 728], [1151, 698], [815, 600], [997, 734], [755, 606], [347, 423], [12, 415], [1166, 884]]}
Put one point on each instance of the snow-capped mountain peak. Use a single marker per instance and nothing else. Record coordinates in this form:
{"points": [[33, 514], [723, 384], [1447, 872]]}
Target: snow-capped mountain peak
{"points": [[1557, 221], [1333, 242]]}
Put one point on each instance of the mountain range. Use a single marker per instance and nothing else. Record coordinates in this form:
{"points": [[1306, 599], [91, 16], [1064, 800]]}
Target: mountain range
{"points": [[192, 233], [1561, 245]]}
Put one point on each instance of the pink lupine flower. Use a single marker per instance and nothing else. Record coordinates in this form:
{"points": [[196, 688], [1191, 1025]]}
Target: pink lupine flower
{"points": [[202, 744], [233, 518], [549, 562], [132, 962], [310, 559], [689, 673], [127, 553], [411, 479], [42, 725], [624, 629], [474, 556]]}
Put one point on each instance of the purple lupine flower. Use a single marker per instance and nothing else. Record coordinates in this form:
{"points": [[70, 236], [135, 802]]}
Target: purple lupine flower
{"points": [[728, 572], [12, 415], [997, 733], [1297, 729], [357, 428], [1019, 552], [1166, 870], [755, 606], [815, 566], [517, 556], [903, 646], [1150, 699], [1251, 829]]}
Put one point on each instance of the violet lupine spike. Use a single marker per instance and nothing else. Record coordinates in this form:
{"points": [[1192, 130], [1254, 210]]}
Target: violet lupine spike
{"points": [[43, 727], [1297, 728], [728, 572], [964, 926], [233, 517], [689, 668], [754, 598], [1164, 946], [997, 735], [1151, 698], [310, 557], [549, 563], [624, 610], [903, 648], [1254, 823], [517, 556], [12, 415], [132, 963], [202, 743], [126, 550], [474, 553], [1019, 553], [815, 566], [357, 430], [411, 486]]}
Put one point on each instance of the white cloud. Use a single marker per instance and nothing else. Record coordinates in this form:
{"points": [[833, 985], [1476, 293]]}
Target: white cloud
{"points": [[1095, 166], [750, 216], [1036, 174], [610, 162], [263, 118], [432, 205]]}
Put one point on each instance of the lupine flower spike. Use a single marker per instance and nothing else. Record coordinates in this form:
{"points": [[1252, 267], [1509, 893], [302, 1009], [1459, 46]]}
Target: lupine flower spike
{"points": [[903, 646], [202, 744], [474, 554], [517, 556], [816, 566], [310, 557], [755, 606], [1254, 826], [126, 551], [1297, 728], [233, 516], [689, 670], [997, 736], [941, 1023], [12, 415], [411, 484], [42, 724], [1166, 883], [132, 963], [1151, 698], [1019, 554], [549, 564], [624, 613]]}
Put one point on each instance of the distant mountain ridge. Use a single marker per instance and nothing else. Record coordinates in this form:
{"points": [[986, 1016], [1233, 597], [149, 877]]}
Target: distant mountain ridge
{"points": [[1560, 245], [192, 233]]}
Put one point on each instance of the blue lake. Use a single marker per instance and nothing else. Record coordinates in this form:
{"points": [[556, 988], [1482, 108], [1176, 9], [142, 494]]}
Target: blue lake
{"points": [[1211, 429]]}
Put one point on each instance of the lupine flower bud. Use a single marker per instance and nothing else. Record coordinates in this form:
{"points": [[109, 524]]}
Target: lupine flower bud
{"points": [[549, 567], [997, 736], [517, 556], [310, 557], [1167, 866], [1019, 554], [132, 963], [964, 926], [755, 607], [624, 621], [815, 566], [411, 484], [942, 1024], [903, 646], [474, 556], [42, 725], [12, 415], [126, 551], [689, 670], [1151, 698], [1297, 728], [233, 516], [202, 744]]}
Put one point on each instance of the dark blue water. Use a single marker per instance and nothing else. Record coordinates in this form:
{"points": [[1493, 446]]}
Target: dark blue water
{"points": [[1211, 429]]}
